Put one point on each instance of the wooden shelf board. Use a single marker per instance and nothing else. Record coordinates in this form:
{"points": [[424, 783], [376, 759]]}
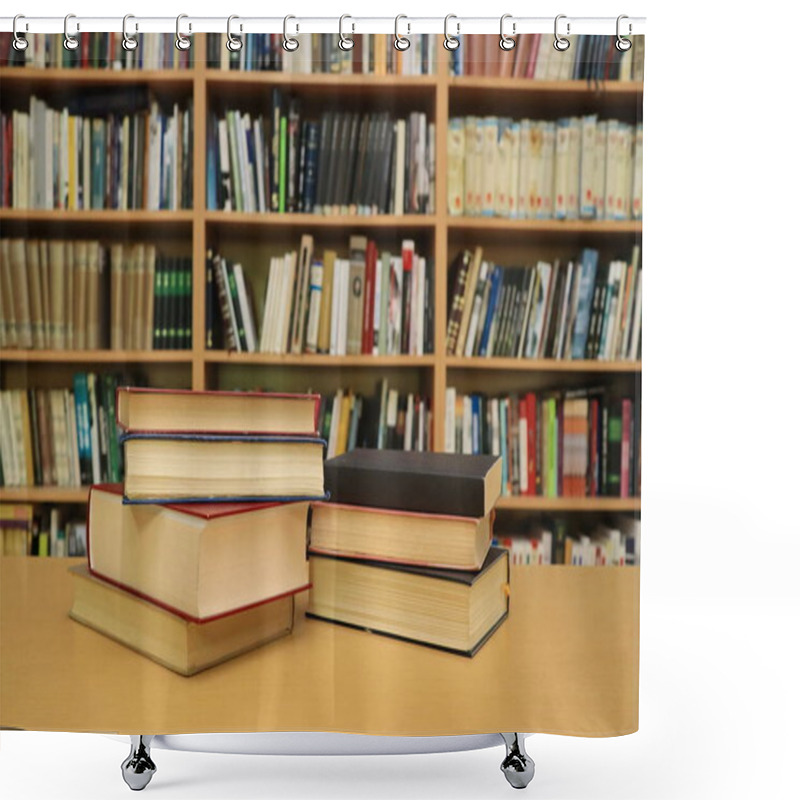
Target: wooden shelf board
{"points": [[527, 85], [406, 221], [44, 494], [111, 216], [96, 76], [542, 364], [527, 503], [545, 225], [272, 78], [309, 360], [100, 356]]}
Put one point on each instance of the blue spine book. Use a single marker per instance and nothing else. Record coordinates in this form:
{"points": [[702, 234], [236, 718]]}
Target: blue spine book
{"points": [[476, 425], [212, 164], [580, 333], [311, 167], [83, 426], [497, 277], [502, 414]]}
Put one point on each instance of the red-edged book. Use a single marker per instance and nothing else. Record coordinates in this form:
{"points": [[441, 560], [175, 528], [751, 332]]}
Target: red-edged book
{"points": [[145, 410], [199, 561], [405, 537]]}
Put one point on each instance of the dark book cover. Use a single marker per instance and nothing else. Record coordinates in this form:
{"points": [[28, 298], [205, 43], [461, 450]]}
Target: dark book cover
{"points": [[275, 150], [458, 282], [356, 199], [438, 483], [311, 167], [328, 165]]}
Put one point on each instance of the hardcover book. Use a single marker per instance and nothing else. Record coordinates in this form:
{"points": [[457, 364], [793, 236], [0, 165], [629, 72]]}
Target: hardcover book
{"points": [[451, 610], [184, 646], [434, 483]]}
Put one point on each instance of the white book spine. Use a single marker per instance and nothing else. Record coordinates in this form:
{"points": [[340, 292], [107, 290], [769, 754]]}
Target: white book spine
{"points": [[244, 303], [450, 419], [315, 296], [378, 311], [407, 438], [399, 167]]}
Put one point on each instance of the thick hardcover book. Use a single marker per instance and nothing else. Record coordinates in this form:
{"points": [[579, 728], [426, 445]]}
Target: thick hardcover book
{"points": [[173, 641], [232, 555], [146, 410], [388, 599], [355, 295], [197, 468], [436, 483]]}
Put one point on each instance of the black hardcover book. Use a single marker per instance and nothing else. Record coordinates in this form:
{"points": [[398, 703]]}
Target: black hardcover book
{"points": [[613, 443], [361, 158], [436, 483], [596, 318], [429, 302], [329, 164], [326, 130], [382, 199], [293, 156], [363, 579]]}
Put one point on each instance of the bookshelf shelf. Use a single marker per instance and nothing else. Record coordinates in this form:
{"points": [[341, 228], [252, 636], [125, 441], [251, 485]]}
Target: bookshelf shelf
{"points": [[288, 79], [575, 89], [347, 221], [101, 216], [309, 360], [570, 226], [542, 365], [607, 504], [48, 77], [99, 356], [45, 494]]}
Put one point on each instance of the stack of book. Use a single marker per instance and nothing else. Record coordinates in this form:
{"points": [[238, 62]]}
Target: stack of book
{"points": [[404, 548], [86, 295], [369, 303], [589, 58], [319, 53], [198, 556], [339, 163]]}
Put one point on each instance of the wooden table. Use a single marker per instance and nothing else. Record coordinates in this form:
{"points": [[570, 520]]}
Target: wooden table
{"points": [[565, 661]]}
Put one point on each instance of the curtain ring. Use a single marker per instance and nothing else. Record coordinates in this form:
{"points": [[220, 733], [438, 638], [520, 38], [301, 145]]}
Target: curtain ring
{"points": [[506, 42], [182, 42], [560, 43], [401, 43], [345, 43], [290, 44], [128, 42], [235, 43], [19, 42], [450, 42], [623, 44], [70, 42]]}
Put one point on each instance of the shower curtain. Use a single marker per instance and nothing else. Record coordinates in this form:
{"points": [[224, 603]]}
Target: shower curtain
{"points": [[320, 384]]}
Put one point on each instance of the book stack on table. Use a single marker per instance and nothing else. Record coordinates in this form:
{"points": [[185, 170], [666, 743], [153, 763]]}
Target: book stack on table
{"points": [[198, 555], [404, 548]]}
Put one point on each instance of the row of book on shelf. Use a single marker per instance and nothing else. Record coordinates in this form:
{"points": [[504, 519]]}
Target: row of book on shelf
{"points": [[76, 295], [331, 163], [100, 150], [572, 168], [369, 303], [61, 437], [573, 443], [589, 58], [96, 50], [319, 53], [571, 309]]}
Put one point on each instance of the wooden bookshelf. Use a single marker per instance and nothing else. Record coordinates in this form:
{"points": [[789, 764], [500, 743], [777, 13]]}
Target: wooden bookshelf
{"points": [[440, 95]]}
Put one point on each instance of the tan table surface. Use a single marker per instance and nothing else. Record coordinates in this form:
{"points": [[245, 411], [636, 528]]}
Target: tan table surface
{"points": [[565, 661]]}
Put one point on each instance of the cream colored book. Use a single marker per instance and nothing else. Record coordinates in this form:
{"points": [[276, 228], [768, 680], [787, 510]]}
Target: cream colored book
{"points": [[455, 166], [180, 644]]}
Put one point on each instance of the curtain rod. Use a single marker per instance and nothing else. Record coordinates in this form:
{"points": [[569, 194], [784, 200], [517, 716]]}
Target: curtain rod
{"points": [[407, 25]]}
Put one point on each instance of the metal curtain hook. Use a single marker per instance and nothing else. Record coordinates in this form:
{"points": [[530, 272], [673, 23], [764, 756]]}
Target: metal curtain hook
{"points": [[623, 44], [290, 44], [345, 43], [70, 42], [560, 43], [182, 42], [506, 42], [235, 43], [401, 43], [128, 41], [450, 42], [19, 43]]}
